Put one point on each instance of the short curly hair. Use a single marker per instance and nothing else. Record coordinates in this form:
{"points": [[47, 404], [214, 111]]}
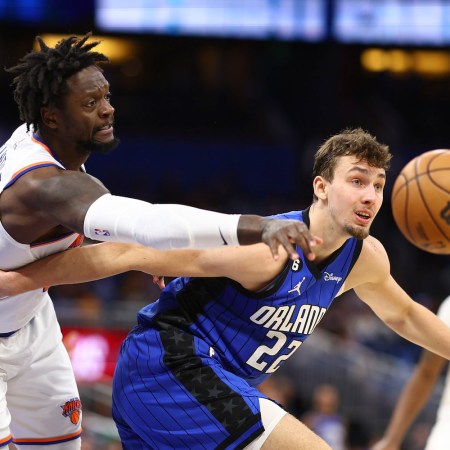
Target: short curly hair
{"points": [[40, 76], [350, 142]]}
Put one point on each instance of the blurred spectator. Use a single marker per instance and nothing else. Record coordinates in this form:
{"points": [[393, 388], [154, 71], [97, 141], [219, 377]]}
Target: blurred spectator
{"points": [[324, 417], [282, 390]]}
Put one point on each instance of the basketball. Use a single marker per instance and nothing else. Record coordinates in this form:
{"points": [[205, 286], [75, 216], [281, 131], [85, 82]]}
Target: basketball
{"points": [[421, 201]]}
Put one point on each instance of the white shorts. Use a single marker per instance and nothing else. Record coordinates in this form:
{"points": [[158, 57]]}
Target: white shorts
{"points": [[439, 437], [271, 414], [39, 400]]}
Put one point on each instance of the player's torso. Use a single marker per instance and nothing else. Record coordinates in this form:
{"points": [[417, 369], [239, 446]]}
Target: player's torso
{"points": [[18, 156], [253, 333]]}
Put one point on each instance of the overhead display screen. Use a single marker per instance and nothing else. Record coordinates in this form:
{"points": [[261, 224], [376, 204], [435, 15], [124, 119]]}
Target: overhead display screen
{"points": [[257, 19], [398, 22]]}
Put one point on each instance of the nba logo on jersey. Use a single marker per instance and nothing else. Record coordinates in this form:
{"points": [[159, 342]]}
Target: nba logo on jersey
{"points": [[99, 232]]}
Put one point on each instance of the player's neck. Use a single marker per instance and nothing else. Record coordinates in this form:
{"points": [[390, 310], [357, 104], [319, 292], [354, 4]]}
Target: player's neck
{"points": [[320, 226], [65, 152]]}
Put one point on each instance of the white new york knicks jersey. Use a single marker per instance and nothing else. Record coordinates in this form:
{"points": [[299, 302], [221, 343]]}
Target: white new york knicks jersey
{"points": [[20, 154]]}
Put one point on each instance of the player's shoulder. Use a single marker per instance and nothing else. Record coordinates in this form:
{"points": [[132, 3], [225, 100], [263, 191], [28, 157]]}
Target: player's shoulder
{"points": [[373, 248], [24, 150], [371, 267], [373, 261]]}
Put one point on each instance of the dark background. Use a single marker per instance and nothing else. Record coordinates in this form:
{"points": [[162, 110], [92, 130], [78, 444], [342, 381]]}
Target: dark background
{"points": [[232, 124]]}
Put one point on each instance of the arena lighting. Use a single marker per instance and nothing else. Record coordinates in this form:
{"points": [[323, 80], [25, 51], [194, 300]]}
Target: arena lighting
{"points": [[117, 49], [432, 63]]}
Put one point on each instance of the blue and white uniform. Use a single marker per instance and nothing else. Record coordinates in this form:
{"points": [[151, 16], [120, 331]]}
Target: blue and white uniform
{"points": [[39, 400], [187, 373]]}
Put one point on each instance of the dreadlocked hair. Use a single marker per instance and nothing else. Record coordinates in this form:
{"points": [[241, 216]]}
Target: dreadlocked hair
{"points": [[40, 77]]}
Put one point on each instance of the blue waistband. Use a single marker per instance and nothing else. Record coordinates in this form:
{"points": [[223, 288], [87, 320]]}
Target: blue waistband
{"points": [[3, 335]]}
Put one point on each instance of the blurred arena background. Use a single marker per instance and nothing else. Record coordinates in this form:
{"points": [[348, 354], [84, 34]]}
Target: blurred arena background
{"points": [[220, 104]]}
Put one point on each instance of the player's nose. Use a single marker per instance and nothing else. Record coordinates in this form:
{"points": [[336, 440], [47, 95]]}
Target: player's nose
{"points": [[370, 194]]}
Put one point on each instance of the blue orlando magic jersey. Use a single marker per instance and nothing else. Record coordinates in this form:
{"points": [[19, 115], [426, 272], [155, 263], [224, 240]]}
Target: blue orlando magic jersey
{"points": [[250, 333]]}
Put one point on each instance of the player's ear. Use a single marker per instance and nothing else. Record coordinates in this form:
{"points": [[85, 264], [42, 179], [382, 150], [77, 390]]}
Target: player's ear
{"points": [[320, 187], [49, 117]]}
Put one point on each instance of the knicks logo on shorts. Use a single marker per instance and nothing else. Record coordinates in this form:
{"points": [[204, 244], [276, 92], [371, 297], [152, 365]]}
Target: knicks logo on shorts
{"points": [[72, 409]]}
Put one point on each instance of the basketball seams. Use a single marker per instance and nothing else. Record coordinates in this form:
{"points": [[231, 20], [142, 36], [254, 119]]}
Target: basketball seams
{"points": [[444, 169], [418, 191], [405, 212], [429, 211], [414, 178]]}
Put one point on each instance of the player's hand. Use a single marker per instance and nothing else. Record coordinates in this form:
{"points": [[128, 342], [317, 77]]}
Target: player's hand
{"points": [[159, 281], [278, 232]]}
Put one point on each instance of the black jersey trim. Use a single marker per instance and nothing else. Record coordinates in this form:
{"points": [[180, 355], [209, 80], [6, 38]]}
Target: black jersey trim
{"points": [[187, 367], [226, 405], [356, 253], [230, 440]]}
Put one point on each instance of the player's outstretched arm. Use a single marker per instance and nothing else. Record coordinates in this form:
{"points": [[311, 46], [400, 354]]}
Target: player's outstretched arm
{"points": [[373, 283], [251, 265], [97, 214], [412, 399], [169, 226], [72, 266]]}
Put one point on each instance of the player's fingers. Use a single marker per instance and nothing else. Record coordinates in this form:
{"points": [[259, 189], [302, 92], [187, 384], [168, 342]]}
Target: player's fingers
{"points": [[304, 239], [273, 245], [159, 281], [293, 254], [286, 241], [287, 233], [307, 241]]}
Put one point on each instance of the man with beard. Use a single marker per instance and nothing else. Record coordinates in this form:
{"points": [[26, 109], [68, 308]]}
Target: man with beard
{"points": [[187, 374], [48, 203]]}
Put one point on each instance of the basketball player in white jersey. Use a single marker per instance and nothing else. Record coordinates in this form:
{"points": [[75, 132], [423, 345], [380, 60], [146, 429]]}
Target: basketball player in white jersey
{"points": [[47, 204]]}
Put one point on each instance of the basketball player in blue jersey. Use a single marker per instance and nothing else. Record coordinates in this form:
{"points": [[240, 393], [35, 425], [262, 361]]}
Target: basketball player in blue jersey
{"points": [[47, 204], [188, 373]]}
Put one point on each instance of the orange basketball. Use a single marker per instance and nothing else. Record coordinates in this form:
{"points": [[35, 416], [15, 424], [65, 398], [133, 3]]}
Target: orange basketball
{"points": [[421, 201]]}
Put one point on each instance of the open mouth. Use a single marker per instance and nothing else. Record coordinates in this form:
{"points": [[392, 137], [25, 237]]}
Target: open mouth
{"points": [[363, 217], [105, 131]]}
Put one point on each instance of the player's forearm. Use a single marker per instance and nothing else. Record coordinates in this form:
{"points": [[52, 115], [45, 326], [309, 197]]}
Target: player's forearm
{"points": [[97, 261], [73, 266], [424, 328], [120, 219]]}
